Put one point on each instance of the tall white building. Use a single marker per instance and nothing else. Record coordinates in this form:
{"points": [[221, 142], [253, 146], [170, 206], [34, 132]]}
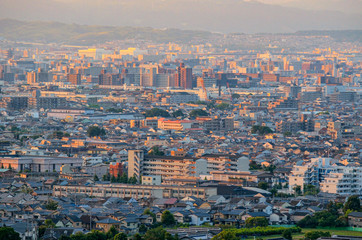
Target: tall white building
{"points": [[311, 173], [343, 180], [181, 167], [330, 178]]}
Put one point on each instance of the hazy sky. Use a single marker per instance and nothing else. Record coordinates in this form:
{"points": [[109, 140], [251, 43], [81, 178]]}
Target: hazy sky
{"points": [[213, 15]]}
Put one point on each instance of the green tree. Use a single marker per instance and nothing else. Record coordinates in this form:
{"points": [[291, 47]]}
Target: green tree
{"points": [[106, 177], [96, 178], [298, 190], [353, 203], [254, 166], [310, 189], [273, 191], [167, 219], [7, 233], [124, 178], [78, 236], [256, 222], [94, 106], [198, 113], [96, 235], [261, 130], [113, 179], [263, 185], [112, 232], [222, 106], [325, 218], [51, 205], [148, 212], [41, 230], [235, 96], [49, 223], [270, 168], [95, 131], [132, 180], [120, 236], [333, 207], [65, 237], [313, 235], [178, 113], [158, 234], [157, 112], [287, 234], [137, 236], [155, 151], [226, 235], [58, 134], [142, 228], [287, 134]]}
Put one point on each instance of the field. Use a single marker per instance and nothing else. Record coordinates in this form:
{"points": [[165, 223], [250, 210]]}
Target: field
{"points": [[301, 235]]}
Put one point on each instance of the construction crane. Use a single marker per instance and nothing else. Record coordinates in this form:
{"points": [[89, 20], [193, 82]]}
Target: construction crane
{"points": [[231, 95], [203, 88]]}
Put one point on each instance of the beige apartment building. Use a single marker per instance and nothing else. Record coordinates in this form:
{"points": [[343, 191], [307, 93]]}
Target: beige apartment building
{"points": [[135, 191], [182, 167], [329, 177]]}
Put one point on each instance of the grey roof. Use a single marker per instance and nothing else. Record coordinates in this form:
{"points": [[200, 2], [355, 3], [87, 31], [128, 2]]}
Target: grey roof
{"points": [[355, 214], [258, 214], [108, 221]]}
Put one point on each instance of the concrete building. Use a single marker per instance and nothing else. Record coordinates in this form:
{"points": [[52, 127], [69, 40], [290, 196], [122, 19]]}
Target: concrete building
{"points": [[330, 178], [31, 78], [284, 104], [47, 102], [74, 79], [343, 180], [181, 97], [177, 125], [311, 173], [135, 160], [216, 123], [343, 130], [115, 169], [38, 163], [91, 160], [182, 167], [135, 191], [184, 77], [15, 102], [151, 180]]}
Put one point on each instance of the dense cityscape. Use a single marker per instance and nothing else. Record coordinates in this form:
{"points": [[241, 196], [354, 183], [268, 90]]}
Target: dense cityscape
{"points": [[229, 136]]}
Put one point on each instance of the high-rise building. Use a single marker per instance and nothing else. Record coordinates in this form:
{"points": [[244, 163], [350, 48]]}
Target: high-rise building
{"points": [[43, 76], [116, 169], [74, 79], [331, 178], [108, 78], [183, 77], [15, 103], [135, 161], [31, 77], [9, 77]]}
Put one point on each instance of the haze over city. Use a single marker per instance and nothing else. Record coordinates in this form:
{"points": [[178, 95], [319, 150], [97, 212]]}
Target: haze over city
{"points": [[212, 15]]}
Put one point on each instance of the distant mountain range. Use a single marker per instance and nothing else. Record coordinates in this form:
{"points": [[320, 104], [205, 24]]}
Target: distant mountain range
{"points": [[224, 16], [55, 32]]}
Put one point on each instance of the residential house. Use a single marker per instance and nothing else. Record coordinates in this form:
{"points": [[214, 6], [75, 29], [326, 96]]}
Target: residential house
{"points": [[107, 223], [355, 219], [199, 218]]}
